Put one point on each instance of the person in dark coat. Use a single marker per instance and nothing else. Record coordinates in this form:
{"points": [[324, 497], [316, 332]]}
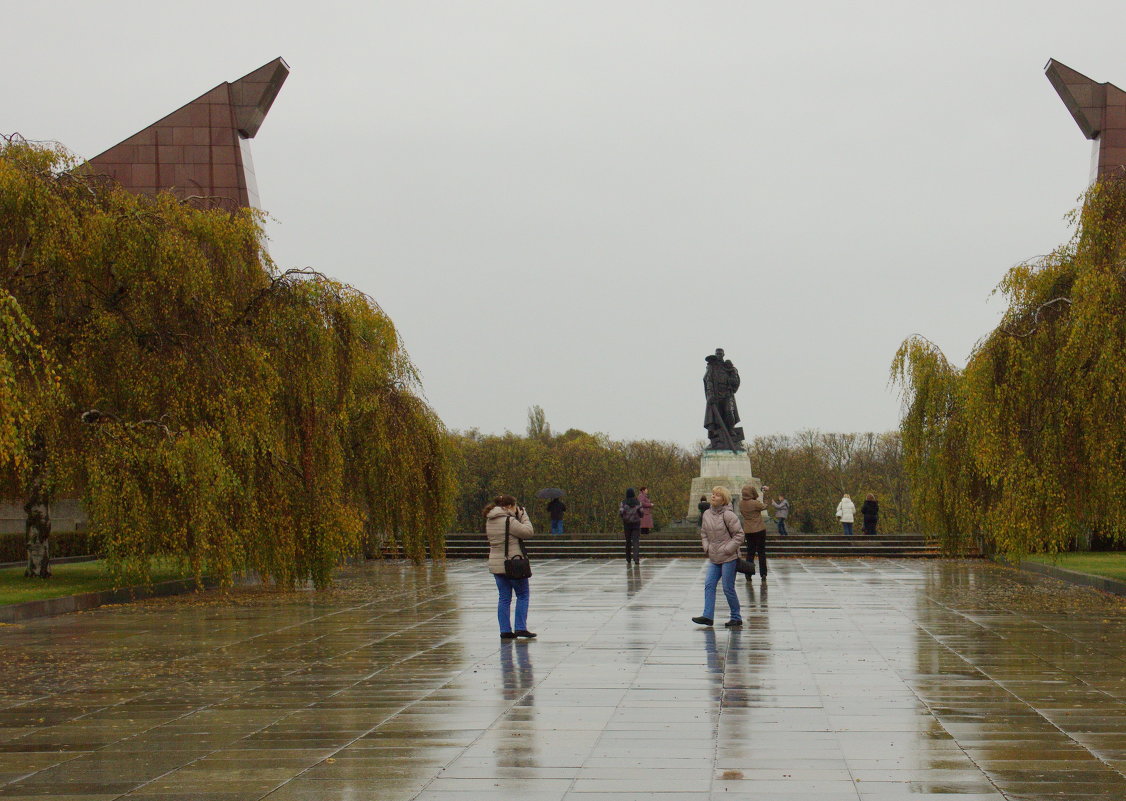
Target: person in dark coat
{"points": [[871, 511], [630, 512], [555, 509], [703, 505]]}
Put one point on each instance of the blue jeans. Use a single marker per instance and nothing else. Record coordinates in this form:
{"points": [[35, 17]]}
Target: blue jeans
{"points": [[556, 526], [847, 528], [781, 526], [711, 578], [505, 588]]}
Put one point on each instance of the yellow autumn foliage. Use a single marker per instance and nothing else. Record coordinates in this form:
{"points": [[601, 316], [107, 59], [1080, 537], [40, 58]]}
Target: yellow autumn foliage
{"points": [[210, 406], [1025, 448]]}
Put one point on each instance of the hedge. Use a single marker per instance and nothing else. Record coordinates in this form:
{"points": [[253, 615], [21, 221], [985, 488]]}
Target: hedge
{"points": [[13, 547]]}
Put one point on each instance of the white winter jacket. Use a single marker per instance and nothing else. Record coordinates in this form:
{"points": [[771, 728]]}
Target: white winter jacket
{"points": [[846, 509]]}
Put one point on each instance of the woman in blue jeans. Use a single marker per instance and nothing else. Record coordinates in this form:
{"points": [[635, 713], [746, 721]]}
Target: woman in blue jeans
{"points": [[721, 535], [505, 520]]}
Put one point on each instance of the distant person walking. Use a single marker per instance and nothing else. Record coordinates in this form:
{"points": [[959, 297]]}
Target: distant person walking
{"points": [[646, 511], [703, 505], [505, 521], [754, 527], [721, 537], [555, 509], [781, 511], [630, 512], [870, 509], [846, 510]]}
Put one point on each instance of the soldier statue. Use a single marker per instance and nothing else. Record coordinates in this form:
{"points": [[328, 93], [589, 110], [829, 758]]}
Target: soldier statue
{"points": [[721, 415]]}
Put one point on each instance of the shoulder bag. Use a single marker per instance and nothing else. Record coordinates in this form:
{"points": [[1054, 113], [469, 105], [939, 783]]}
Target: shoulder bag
{"points": [[518, 567]]}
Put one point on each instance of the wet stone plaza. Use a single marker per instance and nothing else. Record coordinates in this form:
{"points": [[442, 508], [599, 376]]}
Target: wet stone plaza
{"points": [[851, 679]]}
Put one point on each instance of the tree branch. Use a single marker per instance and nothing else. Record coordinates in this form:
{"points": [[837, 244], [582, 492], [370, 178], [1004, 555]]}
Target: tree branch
{"points": [[1035, 318]]}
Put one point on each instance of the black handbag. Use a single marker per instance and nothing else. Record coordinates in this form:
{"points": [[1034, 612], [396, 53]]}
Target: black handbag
{"points": [[518, 567]]}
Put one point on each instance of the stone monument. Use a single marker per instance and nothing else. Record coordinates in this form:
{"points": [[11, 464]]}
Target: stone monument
{"points": [[1099, 109], [201, 151], [725, 462]]}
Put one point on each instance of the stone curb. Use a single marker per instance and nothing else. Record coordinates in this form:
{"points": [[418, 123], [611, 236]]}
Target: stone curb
{"points": [[64, 604], [61, 560], [1074, 577]]}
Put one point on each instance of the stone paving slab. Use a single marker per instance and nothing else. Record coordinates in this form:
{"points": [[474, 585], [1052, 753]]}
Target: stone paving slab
{"points": [[857, 679]]}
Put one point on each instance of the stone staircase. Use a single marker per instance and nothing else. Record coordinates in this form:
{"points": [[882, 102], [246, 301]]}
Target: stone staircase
{"points": [[667, 545]]}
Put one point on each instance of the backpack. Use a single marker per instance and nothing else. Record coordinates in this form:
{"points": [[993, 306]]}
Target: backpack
{"points": [[631, 515]]}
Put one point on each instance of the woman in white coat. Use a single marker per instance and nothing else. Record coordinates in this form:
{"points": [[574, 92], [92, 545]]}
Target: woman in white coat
{"points": [[846, 511]]}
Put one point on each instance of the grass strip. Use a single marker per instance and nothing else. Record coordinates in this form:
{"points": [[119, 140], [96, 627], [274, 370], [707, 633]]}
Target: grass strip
{"points": [[1097, 563], [72, 578]]}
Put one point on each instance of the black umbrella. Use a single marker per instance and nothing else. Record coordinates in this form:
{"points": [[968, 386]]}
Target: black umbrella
{"points": [[550, 492]]}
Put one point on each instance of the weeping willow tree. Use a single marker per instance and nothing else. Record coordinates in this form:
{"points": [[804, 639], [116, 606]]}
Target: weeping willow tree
{"points": [[209, 406], [1026, 446], [27, 386]]}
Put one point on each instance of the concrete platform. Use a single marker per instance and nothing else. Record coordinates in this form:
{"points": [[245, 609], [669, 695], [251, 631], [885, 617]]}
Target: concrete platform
{"points": [[866, 680]]}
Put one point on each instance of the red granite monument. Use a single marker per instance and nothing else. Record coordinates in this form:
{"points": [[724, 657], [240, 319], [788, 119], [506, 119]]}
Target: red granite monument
{"points": [[1100, 111], [201, 151]]}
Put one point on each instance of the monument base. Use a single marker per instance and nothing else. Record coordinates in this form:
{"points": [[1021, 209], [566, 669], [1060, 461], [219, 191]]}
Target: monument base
{"points": [[731, 469]]}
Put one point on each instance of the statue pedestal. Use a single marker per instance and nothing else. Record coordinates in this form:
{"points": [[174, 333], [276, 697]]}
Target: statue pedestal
{"points": [[731, 469]]}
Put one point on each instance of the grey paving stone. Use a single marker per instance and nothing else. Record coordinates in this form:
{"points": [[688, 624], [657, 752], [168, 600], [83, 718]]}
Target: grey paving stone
{"points": [[851, 679]]}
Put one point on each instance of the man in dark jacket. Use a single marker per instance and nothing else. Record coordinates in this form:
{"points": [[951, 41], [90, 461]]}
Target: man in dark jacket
{"points": [[556, 508]]}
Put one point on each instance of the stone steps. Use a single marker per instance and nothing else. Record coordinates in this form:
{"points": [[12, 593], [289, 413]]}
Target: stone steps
{"points": [[660, 545]]}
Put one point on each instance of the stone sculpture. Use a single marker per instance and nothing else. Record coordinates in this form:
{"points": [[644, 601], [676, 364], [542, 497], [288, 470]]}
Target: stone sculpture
{"points": [[721, 414]]}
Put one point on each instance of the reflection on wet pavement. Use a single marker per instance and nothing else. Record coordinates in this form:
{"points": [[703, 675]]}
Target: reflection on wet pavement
{"points": [[851, 679]]}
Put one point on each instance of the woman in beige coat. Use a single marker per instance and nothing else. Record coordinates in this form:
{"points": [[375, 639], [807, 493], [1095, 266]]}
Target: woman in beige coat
{"points": [[720, 536], [501, 513]]}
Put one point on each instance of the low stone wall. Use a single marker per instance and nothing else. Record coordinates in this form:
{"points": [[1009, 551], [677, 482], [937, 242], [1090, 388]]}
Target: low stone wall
{"points": [[15, 613], [1073, 577], [66, 515]]}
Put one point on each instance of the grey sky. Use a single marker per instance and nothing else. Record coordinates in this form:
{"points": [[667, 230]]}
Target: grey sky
{"points": [[572, 203]]}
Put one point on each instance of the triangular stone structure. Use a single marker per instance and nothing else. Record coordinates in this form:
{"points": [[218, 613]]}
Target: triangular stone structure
{"points": [[201, 151], [1100, 111]]}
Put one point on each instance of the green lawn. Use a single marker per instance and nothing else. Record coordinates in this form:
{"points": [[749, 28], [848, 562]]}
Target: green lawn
{"points": [[1111, 565], [70, 578]]}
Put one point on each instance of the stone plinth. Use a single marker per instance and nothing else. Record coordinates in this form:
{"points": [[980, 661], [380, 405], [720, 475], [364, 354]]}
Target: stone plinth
{"points": [[731, 469]]}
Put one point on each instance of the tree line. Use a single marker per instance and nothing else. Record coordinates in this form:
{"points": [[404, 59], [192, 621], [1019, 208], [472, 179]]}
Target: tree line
{"points": [[1024, 448], [204, 404], [812, 468]]}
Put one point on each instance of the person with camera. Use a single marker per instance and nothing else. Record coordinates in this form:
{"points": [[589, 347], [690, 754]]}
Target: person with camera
{"points": [[754, 528], [506, 522]]}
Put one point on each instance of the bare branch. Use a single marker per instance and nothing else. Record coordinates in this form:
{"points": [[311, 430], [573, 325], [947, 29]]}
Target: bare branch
{"points": [[97, 417], [283, 279], [1035, 318]]}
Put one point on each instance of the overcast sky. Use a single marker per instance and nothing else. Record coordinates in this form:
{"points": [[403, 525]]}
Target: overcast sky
{"points": [[572, 203]]}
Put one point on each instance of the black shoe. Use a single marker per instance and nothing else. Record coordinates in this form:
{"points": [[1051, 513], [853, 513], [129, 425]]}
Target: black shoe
{"points": [[703, 621], [523, 633], [764, 577], [508, 635], [733, 624]]}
